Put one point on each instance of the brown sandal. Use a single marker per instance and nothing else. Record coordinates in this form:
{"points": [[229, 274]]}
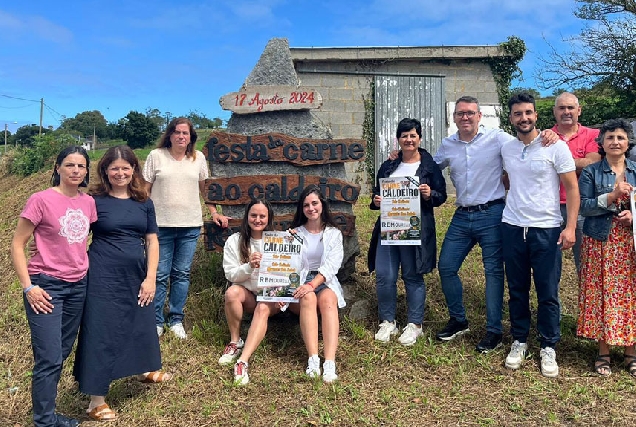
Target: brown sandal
{"points": [[102, 413], [155, 377]]}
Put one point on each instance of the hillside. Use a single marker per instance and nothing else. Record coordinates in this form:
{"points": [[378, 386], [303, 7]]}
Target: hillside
{"points": [[427, 384]]}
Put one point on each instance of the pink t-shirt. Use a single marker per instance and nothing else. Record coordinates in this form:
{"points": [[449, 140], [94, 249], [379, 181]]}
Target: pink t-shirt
{"points": [[61, 230], [580, 144]]}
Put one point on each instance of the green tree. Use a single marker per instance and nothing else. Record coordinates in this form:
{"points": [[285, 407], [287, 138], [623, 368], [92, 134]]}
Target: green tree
{"points": [[25, 135], [138, 130], [156, 117], [86, 123], [200, 120], [603, 53]]}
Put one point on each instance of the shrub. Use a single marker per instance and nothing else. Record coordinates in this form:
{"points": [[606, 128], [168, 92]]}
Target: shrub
{"points": [[29, 160]]}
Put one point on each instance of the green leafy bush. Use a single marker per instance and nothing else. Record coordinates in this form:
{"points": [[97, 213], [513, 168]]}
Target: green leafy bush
{"points": [[29, 160]]}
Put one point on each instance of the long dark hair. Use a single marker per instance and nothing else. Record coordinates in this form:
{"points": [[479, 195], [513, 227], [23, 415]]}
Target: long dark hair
{"points": [[246, 232], [164, 142], [135, 187], [301, 219], [71, 149]]}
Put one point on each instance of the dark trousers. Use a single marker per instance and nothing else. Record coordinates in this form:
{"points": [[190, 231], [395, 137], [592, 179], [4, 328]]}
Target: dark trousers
{"points": [[533, 251], [52, 338]]}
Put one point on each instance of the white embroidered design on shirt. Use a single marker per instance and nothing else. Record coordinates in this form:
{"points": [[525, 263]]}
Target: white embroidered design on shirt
{"points": [[74, 226]]}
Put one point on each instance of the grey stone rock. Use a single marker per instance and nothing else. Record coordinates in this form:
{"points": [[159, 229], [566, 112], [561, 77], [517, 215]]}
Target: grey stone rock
{"points": [[275, 66], [360, 310]]}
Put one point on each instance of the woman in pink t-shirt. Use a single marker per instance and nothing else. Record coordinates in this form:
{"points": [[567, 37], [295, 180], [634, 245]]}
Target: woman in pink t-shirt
{"points": [[54, 279]]}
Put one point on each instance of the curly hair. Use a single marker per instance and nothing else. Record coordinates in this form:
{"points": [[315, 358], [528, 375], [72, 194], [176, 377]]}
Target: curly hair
{"points": [[612, 125]]}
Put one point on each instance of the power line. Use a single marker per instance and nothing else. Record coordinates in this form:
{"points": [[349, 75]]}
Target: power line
{"points": [[18, 98]]}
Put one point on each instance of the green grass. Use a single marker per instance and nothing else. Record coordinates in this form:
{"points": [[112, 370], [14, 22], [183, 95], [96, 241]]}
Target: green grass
{"points": [[389, 385]]}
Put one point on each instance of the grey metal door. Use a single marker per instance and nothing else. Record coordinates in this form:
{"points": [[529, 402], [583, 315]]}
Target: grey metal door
{"points": [[419, 97]]}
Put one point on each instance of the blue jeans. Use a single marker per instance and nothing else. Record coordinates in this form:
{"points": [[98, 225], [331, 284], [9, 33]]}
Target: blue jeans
{"points": [[465, 231], [532, 251], [387, 262], [52, 338], [176, 250]]}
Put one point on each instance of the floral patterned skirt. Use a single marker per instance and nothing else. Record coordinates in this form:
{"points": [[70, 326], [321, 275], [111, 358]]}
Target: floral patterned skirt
{"points": [[607, 291]]}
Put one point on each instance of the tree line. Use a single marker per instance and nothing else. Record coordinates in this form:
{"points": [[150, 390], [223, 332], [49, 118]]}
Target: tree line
{"points": [[137, 129]]}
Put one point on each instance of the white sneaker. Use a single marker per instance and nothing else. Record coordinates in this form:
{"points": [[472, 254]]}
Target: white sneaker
{"points": [[549, 367], [410, 334], [387, 329], [329, 371], [240, 373], [517, 355], [231, 352], [313, 367], [159, 331], [178, 331]]}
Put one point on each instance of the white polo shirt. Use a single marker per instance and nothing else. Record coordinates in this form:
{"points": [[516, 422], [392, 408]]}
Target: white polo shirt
{"points": [[533, 198]]}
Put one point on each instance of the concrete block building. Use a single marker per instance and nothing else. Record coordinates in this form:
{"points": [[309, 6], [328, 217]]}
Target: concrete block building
{"points": [[417, 82]]}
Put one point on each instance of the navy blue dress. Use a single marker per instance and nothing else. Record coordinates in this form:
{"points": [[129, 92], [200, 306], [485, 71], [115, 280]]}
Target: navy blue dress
{"points": [[117, 337]]}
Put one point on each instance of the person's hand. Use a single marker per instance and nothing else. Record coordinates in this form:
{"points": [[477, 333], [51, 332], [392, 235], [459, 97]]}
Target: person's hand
{"points": [[425, 191], [255, 259], [376, 200], [549, 137], [625, 217], [622, 189], [220, 220], [303, 290], [567, 238], [146, 293], [39, 300], [393, 155]]}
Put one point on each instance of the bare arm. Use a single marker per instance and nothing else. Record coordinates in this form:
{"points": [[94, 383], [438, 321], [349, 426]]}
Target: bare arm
{"points": [[37, 297], [587, 160], [573, 201]]}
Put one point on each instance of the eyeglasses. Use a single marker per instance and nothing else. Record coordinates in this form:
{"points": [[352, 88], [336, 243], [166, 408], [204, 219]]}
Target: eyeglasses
{"points": [[461, 114]]}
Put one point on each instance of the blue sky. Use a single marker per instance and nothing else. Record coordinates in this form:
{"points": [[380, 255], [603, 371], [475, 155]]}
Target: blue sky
{"points": [[179, 56]]}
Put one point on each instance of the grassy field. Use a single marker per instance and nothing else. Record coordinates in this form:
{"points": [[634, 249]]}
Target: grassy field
{"points": [[427, 384]]}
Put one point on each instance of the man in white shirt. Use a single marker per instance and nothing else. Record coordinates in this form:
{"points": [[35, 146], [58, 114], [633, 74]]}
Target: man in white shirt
{"points": [[531, 232]]}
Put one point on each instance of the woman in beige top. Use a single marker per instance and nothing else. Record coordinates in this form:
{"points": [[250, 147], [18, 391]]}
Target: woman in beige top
{"points": [[175, 174]]}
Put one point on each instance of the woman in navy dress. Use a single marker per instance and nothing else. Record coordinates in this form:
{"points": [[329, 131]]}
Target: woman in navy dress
{"points": [[117, 336]]}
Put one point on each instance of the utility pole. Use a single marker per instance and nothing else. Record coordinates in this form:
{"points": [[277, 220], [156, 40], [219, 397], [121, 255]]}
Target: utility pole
{"points": [[41, 114], [5, 138]]}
